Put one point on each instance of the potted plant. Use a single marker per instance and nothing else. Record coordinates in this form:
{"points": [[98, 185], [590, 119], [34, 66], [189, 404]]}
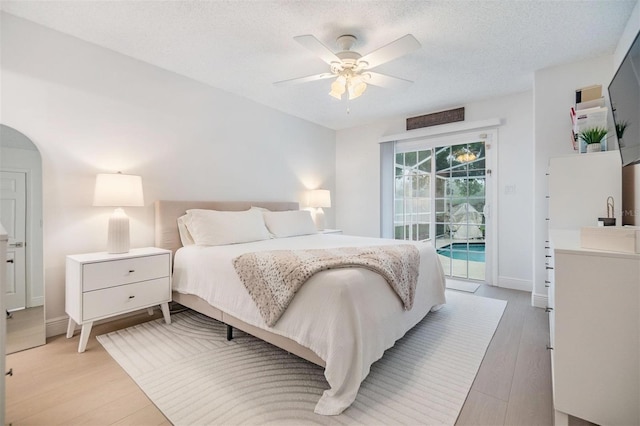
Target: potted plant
{"points": [[593, 137], [620, 128]]}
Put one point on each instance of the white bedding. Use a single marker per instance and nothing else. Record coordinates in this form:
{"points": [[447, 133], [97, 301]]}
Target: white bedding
{"points": [[348, 317]]}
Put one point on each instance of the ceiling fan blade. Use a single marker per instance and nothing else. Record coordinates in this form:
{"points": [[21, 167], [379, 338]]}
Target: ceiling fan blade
{"points": [[314, 45], [391, 51], [304, 79], [386, 81]]}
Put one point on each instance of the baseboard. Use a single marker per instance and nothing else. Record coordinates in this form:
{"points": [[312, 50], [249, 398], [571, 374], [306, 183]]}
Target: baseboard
{"points": [[539, 300], [56, 326], [515, 283], [36, 301]]}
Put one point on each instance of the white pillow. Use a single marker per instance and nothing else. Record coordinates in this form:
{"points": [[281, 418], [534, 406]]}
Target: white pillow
{"points": [[214, 228], [185, 235], [290, 223]]}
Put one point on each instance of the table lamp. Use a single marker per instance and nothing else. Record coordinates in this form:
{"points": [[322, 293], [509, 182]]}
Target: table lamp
{"points": [[319, 198], [118, 190]]}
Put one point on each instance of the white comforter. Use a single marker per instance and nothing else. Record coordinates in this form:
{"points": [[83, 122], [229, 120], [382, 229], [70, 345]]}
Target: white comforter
{"points": [[348, 317]]}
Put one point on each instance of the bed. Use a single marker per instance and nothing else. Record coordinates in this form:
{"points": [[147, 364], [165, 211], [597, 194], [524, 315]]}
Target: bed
{"points": [[342, 319]]}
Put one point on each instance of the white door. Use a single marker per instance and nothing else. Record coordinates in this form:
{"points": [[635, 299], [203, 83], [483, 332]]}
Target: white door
{"points": [[13, 213]]}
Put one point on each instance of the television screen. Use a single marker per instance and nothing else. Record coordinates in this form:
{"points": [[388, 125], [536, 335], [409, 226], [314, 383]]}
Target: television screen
{"points": [[624, 94]]}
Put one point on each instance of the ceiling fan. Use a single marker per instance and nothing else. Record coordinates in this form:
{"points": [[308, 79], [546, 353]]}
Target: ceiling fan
{"points": [[351, 69]]}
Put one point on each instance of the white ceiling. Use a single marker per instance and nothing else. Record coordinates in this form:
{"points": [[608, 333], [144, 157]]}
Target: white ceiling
{"points": [[471, 50]]}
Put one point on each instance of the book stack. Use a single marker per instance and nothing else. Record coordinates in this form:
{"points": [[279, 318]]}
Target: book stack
{"points": [[589, 111]]}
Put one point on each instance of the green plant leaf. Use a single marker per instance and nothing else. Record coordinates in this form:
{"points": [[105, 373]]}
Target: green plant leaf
{"points": [[593, 135]]}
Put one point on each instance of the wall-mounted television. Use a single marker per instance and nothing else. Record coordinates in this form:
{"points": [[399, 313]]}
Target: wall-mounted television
{"points": [[624, 94]]}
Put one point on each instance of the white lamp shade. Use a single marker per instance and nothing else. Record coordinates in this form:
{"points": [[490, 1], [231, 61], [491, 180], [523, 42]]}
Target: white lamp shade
{"points": [[118, 190], [320, 198], [356, 88]]}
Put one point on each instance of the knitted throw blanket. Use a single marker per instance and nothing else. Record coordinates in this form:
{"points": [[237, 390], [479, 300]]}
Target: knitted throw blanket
{"points": [[273, 277]]}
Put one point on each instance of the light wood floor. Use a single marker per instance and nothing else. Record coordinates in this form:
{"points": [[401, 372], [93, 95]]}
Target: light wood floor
{"points": [[54, 384]]}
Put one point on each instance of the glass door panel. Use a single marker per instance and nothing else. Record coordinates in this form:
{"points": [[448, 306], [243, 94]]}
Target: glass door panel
{"points": [[412, 198]]}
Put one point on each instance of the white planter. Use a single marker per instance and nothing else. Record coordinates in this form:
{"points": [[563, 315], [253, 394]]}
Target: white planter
{"points": [[594, 147]]}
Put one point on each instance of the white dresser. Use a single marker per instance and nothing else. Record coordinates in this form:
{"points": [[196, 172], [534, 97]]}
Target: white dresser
{"points": [[102, 285], [595, 332]]}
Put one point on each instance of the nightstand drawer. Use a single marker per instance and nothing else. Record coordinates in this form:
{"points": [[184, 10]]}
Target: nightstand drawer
{"points": [[124, 298], [101, 275]]}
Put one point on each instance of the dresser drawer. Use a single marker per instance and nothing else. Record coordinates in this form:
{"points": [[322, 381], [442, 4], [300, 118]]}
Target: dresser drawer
{"points": [[101, 275], [125, 298]]}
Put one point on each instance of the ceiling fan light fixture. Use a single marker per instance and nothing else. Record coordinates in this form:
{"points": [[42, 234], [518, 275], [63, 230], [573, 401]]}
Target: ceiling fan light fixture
{"points": [[350, 68], [338, 87], [466, 156], [356, 88]]}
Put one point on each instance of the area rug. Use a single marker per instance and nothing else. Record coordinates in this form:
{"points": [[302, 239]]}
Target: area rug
{"points": [[467, 286], [196, 377]]}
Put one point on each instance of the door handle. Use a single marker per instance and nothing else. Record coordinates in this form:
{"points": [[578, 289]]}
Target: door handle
{"points": [[16, 245]]}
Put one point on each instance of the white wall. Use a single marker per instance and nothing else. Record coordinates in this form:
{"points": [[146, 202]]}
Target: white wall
{"points": [[91, 110], [358, 180], [628, 35]]}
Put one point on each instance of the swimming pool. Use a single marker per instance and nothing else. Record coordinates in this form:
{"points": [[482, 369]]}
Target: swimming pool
{"points": [[459, 251]]}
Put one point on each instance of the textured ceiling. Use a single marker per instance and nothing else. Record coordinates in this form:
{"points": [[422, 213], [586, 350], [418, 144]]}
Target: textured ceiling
{"points": [[471, 50]]}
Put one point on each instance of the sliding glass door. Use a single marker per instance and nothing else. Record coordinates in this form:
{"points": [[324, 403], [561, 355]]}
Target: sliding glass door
{"points": [[440, 194]]}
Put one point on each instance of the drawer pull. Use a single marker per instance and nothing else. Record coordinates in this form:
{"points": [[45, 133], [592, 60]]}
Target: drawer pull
{"points": [[547, 255], [548, 309], [131, 297], [9, 373], [131, 271], [549, 348], [549, 267], [9, 260]]}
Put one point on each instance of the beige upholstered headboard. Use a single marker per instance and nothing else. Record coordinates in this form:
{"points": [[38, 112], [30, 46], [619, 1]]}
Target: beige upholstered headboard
{"points": [[167, 213]]}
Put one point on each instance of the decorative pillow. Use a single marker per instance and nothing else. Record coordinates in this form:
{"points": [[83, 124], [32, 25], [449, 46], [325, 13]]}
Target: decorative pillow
{"points": [[215, 228], [185, 235], [263, 210], [290, 223]]}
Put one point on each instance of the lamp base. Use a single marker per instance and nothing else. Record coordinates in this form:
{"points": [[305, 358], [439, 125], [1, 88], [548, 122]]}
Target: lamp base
{"points": [[118, 237], [320, 219]]}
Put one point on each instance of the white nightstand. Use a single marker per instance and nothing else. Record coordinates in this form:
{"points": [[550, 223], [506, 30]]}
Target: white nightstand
{"points": [[102, 285], [331, 231]]}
